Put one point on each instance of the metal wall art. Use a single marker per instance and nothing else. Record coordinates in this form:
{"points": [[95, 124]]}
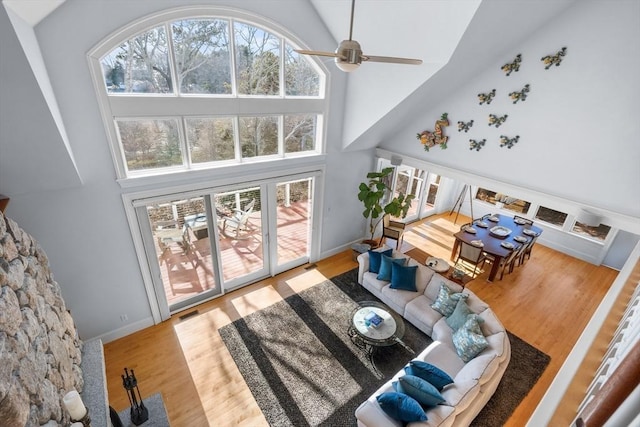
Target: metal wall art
{"points": [[520, 95], [486, 97], [462, 126], [476, 145], [428, 138], [510, 67], [497, 121], [505, 141], [556, 59]]}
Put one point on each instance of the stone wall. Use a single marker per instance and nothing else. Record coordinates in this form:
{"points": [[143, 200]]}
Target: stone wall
{"points": [[40, 350]]}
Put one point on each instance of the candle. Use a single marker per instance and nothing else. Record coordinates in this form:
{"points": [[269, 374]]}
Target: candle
{"points": [[74, 405]]}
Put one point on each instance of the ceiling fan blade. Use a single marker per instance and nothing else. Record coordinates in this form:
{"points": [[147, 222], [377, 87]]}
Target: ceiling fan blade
{"points": [[391, 60], [317, 53]]}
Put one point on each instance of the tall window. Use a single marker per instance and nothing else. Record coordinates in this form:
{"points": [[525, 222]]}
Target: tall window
{"points": [[196, 92]]}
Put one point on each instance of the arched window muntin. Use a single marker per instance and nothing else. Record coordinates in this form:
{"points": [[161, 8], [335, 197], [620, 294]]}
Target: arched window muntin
{"points": [[181, 108]]}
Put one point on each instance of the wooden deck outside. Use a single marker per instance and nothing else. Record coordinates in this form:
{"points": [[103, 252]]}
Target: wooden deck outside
{"points": [[188, 273]]}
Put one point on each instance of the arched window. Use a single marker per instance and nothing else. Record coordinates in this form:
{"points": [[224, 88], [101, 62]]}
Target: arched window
{"points": [[196, 89]]}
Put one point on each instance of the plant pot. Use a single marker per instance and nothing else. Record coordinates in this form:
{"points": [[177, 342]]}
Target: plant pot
{"points": [[373, 243]]}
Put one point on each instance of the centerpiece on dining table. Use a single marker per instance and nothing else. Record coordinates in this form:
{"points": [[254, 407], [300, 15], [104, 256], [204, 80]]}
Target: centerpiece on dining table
{"points": [[499, 231]]}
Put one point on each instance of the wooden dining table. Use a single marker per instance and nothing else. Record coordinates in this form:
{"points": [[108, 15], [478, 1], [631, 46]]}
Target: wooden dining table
{"points": [[492, 244]]}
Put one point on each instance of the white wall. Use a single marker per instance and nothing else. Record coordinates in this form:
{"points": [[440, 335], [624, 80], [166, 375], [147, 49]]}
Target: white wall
{"points": [[579, 126]]}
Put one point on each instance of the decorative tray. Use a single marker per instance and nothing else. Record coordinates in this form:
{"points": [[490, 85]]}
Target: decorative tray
{"points": [[500, 231], [437, 264]]}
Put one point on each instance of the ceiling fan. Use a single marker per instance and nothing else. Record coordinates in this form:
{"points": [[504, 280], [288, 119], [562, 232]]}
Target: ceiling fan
{"points": [[348, 55]]}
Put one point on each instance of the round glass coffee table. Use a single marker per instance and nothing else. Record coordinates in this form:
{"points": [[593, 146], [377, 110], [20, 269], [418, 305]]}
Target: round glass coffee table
{"points": [[368, 337]]}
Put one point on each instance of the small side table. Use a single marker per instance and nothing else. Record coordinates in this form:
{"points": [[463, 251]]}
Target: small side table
{"points": [[359, 248]]}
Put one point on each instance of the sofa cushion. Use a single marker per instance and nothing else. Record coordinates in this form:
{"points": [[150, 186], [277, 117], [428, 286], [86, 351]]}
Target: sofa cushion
{"points": [[397, 299], [469, 344], [461, 394], [433, 288], [371, 282], [442, 356], [375, 258], [403, 277], [401, 407], [496, 344], [428, 372], [442, 332], [490, 325], [446, 301], [481, 369], [385, 266], [419, 312], [421, 390]]}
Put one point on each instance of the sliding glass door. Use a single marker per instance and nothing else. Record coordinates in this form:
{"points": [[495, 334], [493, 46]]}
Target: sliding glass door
{"points": [[198, 245]]}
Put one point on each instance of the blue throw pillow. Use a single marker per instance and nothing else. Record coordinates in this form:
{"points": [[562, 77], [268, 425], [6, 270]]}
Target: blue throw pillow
{"points": [[403, 277], [422, 391], [401, 407], [428, 372], [469, 344], [385, 267], [456, 319], [447, 299], [375, 258]]}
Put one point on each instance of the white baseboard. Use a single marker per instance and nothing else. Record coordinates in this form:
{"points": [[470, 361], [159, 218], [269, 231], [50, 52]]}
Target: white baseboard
{"points": [[126, 330]]}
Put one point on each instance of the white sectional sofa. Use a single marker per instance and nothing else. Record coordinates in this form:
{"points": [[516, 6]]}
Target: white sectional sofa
{"points": [[474, 381]]}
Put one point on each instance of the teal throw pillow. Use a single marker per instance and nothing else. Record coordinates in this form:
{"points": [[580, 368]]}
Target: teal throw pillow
{"points": [[456, 319], [385, 267], [469, 344], [428, 372], [447, 299], [401, 407], [422, 391], [375, 258], [403, 277]]}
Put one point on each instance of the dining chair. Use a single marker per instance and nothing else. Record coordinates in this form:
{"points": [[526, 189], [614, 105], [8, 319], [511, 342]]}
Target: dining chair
{"points": [[473, 255], [526, 253], [523, 219], [392, 229]]}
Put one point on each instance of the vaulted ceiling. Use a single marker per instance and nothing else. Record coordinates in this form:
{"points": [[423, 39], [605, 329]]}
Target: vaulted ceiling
{"points": [[454, 38]]}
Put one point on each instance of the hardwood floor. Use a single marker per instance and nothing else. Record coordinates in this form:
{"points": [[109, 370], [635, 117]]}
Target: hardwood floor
{"points": [[547, 302]]}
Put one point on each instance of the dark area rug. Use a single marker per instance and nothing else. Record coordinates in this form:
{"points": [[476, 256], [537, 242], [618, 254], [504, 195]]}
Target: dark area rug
{"points": [[303, 369]]}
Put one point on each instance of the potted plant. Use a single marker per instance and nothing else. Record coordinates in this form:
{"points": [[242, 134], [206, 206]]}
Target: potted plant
{"points": [[373, 194]]}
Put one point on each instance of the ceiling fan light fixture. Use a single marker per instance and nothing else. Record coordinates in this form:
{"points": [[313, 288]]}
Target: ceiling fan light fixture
{"points": [[346, 66]]}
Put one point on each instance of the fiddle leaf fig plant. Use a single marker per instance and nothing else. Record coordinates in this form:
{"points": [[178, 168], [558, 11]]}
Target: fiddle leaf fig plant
{"points": [[372, 195]]}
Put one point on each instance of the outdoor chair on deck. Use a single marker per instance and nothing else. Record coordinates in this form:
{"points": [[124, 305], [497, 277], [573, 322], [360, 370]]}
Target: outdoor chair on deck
{"points": [[392, 229], [238, 221], [168, 232], [473, 255]]}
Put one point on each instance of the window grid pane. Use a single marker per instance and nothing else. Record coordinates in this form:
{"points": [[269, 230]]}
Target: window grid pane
{"points": [[139, 65], [301, 79], [201, 50], [150, 144], [210, 139], [597, 233], [551, 216], [299, 132], [257, 60], [258, 136]]}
